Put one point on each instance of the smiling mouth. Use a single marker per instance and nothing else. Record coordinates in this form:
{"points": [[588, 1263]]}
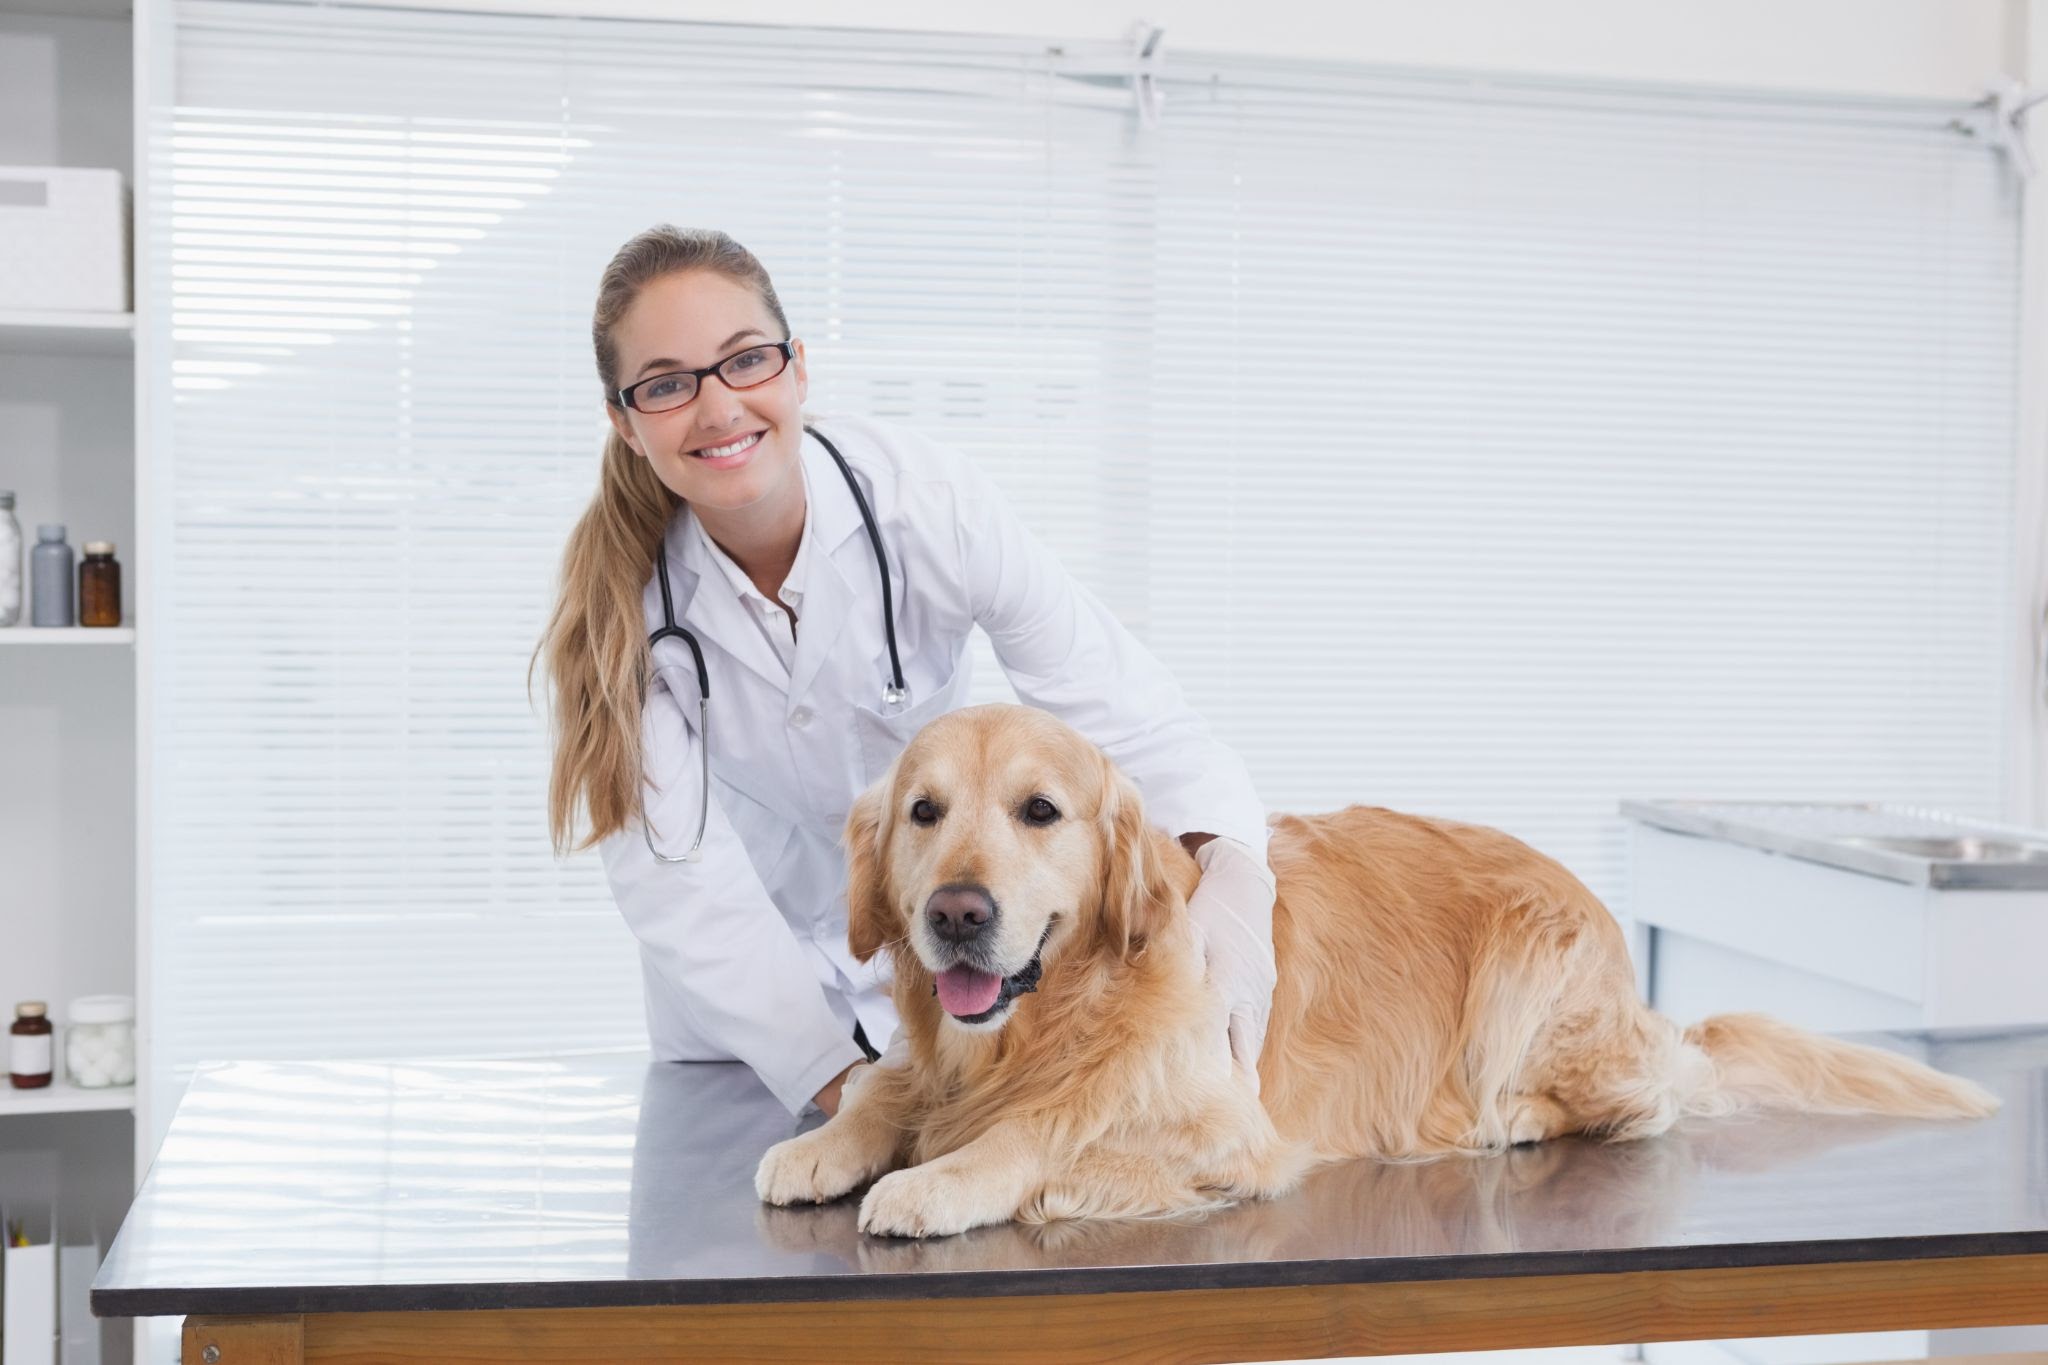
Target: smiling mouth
{"points": [[973, 996], [730, 448]]}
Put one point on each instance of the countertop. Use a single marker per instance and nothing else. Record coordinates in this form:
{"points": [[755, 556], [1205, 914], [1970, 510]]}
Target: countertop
{"points": [[611, 1180], [1898, 843]]}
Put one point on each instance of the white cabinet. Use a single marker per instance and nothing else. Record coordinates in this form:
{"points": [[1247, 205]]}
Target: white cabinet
{"points": [[1735, 923], [1740, 923]]}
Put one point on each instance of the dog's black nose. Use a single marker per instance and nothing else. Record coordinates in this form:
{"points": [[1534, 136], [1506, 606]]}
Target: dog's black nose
{"points": [[959, 913]]}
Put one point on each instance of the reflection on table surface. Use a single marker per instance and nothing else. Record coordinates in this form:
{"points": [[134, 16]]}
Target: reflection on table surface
{"points": [[611, 1170]]}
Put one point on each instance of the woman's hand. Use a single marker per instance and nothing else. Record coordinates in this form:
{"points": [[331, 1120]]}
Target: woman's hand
{"points": [[1232, 907], [828, 1098]]}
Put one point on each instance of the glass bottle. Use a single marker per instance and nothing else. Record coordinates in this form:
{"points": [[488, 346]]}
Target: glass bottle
{"points": [[50, 578], [30, 1054], [10, 561], [99, 585]]}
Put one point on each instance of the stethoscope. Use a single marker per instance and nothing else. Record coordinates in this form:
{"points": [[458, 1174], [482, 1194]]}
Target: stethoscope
{"points": [[893, 695]]}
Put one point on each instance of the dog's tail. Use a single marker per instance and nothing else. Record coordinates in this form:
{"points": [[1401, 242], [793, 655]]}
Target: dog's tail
{"points": [[1761, 1063]]}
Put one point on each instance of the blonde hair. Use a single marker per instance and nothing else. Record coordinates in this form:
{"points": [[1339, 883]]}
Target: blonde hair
{"points": [[595, 645]]}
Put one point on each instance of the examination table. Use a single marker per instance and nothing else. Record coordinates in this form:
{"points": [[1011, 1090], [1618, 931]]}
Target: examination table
{"points": [[602, 1208]]}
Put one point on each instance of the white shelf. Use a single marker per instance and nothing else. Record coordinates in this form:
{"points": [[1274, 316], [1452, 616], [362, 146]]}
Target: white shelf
{"points": [[59, 333], [70, 9], [67, 635], [61, 1097]]}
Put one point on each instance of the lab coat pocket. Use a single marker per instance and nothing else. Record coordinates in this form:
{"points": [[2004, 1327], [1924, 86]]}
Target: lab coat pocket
{"points": [[882, 737], [764, 834]]}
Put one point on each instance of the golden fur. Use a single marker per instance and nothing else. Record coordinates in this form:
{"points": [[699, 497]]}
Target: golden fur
{"points": [[1443, 988]]}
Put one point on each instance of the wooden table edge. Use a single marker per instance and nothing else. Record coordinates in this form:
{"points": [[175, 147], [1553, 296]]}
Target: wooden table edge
{"points": [[1187, 1326]]}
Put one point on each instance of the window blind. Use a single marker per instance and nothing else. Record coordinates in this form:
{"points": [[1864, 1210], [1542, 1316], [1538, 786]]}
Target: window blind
{"points": [[1493, 449], [1534, 446]]}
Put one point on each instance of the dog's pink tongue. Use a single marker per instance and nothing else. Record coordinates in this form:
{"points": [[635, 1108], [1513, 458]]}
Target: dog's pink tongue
{"points": [[964, 991]]}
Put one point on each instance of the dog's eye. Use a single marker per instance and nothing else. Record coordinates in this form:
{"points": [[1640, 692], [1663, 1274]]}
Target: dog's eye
{"points": [[924, 812], [1039, 811]]}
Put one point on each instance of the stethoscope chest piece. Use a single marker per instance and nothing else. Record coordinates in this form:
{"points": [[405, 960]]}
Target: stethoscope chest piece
{"points": [[894, 699]]}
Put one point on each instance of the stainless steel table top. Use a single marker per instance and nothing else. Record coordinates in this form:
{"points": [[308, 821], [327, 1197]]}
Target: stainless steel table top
{"points": [[1899, 843], [612, 1180]]}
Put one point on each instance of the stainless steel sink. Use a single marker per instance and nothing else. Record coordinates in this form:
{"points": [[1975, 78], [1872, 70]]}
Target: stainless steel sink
{"points": [[1961, 848], [1900, 843]]}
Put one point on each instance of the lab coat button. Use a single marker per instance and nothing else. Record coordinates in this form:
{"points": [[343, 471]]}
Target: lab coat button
{"points": [[800, 717]]}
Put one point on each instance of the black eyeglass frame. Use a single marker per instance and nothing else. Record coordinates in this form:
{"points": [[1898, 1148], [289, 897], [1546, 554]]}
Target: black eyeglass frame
{"points": [[623, 398]]}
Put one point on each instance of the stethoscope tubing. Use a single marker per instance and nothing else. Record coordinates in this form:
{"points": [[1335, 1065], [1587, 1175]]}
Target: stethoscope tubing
{"points": [[894, 693]]}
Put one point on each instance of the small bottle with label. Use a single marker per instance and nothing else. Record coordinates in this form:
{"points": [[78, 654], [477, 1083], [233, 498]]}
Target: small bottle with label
{"points": [[31, 1057], [99, 585]]}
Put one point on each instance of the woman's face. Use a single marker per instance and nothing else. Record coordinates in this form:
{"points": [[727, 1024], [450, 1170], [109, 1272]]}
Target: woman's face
{"points": [[688, 321]]}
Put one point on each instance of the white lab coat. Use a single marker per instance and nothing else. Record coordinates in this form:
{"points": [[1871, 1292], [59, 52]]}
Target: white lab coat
{"points": [[744, 952]]}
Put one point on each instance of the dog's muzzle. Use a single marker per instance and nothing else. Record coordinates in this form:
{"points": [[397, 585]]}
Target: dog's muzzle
{"points": [[974, 997]]}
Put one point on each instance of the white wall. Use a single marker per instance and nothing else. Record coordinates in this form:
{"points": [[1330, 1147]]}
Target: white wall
{"points": [[63, 91], [1943, 49]]}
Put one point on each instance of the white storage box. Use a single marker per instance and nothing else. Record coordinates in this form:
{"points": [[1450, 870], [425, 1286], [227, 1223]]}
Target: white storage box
{"points": [[28, 1285], [63, 240]]}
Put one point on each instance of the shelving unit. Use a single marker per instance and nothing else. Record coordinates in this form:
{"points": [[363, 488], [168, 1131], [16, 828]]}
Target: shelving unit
{"points": [[61, 636], [69, 722], [45, 333], [62, 1097], [82, 9]]}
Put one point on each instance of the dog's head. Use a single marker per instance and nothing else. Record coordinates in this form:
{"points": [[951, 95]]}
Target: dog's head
{"points": [[998, 844]]}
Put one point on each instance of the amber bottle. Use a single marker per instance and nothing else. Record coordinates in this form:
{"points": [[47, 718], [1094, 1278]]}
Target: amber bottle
{"points": [[99, 585], [30, 1056]]}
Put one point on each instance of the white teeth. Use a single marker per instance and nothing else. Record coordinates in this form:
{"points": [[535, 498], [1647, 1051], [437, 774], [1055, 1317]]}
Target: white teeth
{"points": [[720, 452]]}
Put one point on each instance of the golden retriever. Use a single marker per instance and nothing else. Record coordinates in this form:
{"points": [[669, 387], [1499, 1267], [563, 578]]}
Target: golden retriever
{"points": [[1443, 988]]}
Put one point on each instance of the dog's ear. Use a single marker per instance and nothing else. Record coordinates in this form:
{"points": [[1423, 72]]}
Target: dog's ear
{"points": [[868, 921], [1136, 897]]}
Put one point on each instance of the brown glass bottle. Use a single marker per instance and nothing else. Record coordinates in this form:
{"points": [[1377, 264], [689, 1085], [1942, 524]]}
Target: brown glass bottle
{"points": [[30, 1054], [99, 585]]}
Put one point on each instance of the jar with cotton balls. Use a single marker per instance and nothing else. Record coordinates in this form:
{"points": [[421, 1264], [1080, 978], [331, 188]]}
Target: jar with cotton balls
{"points": [[99, 1042], [10, 560]]}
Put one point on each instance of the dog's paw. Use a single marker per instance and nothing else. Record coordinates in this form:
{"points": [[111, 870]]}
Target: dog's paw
{"points": [[920, 1202], [812, 1168]]}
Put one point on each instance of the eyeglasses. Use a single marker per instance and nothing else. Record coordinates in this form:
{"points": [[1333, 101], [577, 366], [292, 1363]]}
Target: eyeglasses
{"points": [[741, 370]]}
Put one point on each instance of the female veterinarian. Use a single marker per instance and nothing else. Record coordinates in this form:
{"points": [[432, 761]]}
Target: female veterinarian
{"points": [[719, 511]]}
